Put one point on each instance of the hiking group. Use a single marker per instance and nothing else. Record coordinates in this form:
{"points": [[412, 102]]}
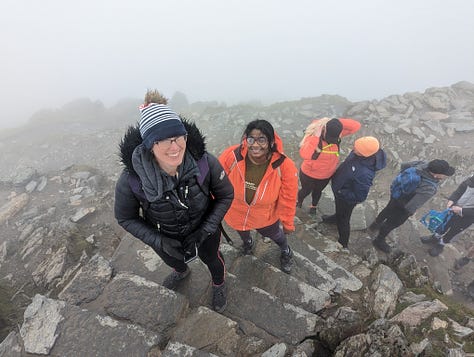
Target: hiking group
{"points": [[173, 194]]}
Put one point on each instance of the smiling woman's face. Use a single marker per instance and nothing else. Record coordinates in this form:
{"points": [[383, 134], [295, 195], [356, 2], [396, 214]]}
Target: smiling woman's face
{"points": [[169, 153], [260, 147]]}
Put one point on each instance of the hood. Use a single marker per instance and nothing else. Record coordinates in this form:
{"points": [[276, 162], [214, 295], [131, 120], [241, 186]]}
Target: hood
{"points": [[195, 145], [375, 162]]}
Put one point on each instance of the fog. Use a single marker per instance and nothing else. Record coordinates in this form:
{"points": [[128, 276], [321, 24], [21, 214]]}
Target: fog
{"points": [[56, 51]]}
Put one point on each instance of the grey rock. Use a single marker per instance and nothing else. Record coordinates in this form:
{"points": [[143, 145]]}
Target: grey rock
{"points": [[386, 287], [39, 328], [89, 282], [205, 328], [414, 314], [135, 299]]}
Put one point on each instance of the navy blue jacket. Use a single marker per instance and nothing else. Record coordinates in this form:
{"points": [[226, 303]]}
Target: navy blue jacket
{"points": [[352, 180]]}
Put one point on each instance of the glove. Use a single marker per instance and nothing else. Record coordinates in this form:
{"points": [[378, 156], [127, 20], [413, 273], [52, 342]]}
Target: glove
{"points": [[197, 237], [172, 247]]}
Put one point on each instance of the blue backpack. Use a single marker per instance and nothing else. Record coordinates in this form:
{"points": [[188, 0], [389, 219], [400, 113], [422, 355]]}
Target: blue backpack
{"points": [[405, 183], [436, 221]]}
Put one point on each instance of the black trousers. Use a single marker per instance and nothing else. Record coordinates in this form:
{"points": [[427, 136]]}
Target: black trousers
{"points": [[313, 186], [208, 252], [455, 226], [391, 217], [343, 219]]}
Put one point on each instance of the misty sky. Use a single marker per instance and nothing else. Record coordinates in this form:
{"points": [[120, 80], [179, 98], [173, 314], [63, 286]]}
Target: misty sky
{"points": [[54, 51]]}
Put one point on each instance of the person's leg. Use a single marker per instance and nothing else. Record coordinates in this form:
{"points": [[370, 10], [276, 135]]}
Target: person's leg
{"points": [[275, 233], [305, 188], [455, 226], [209, 253], [343, 218], [317, 189], [395, 215], [179, 273]]}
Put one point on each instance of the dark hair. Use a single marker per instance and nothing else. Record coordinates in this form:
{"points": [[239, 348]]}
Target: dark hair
{"points": [[265, 127]]}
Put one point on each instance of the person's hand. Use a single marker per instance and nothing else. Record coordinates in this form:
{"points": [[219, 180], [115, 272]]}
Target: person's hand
{"points": [[288, 233], [457, 210], [449, 204], [172, 247], [195, 238]]}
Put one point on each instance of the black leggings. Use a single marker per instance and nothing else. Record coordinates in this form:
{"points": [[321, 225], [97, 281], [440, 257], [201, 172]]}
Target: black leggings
{"points": [[313, 186], [343, 219], [455, 226], [208, 252], [391, 217]]}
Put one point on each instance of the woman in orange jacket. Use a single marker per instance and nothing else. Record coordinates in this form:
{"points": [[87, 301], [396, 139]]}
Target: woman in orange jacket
{"points": [[265, 187], [319, 150]]}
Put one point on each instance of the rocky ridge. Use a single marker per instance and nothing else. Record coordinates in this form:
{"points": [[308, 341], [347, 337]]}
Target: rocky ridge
{"points": [[73, 279]]}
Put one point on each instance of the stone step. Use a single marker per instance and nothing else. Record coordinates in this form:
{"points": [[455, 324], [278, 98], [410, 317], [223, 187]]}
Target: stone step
{"points": [[310, 266], [275, 282], [285, 321]]}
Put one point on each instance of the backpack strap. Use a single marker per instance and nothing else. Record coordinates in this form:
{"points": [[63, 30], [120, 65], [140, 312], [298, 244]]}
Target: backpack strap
{"points": [[322, 148]]}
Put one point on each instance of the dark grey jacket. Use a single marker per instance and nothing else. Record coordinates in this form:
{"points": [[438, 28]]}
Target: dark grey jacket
{"points": [[174, 207], [425, 190]]}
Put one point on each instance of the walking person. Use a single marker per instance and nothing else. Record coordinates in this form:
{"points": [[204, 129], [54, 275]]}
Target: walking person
{"points": [[265, 186], [399, 209], [352, 181], [172, 194], [461, 204], [319, 150]]}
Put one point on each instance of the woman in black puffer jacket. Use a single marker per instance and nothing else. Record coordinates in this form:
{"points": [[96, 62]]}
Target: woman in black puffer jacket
{"points": [[172, 194]]}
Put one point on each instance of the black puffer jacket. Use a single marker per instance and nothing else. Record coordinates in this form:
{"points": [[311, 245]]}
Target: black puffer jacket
{"points": [[171, 207]]}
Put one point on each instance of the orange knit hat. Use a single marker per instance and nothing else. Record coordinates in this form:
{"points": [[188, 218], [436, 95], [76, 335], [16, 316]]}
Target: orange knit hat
{"points": [[366, 146]]}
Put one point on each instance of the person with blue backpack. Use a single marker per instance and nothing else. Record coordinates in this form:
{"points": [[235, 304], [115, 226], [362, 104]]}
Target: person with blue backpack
{"points": [[416, 183], [172, 194], [352, 181], [461, 205]]}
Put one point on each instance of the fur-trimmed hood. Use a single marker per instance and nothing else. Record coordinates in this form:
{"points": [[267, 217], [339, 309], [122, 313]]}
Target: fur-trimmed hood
{"points": [[195, 144]]}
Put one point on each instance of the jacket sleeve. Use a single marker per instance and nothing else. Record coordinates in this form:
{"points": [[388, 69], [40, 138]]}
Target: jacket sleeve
{"points": [[309, 146], [456, 195], [222, 192], [127, 213], [286, 205], [349, 126]]}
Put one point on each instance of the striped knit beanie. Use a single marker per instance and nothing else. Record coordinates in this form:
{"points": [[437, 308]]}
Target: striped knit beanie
{"points": [[159, 122]]}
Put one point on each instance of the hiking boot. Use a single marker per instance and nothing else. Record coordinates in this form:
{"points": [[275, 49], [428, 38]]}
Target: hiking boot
{"points": [[173, 280], [381, 245], [219, 297], [461, 262], [286, 261], [329, 218], [436, 250], [429, 239], [247, 247], [312, 210]]}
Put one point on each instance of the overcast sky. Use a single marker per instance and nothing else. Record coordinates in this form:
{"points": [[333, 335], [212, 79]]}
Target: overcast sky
{"points": [[54, 51]]}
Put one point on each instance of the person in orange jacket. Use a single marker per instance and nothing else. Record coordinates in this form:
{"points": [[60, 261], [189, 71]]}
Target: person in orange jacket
{"points": [[265, 187], [319, 150]]}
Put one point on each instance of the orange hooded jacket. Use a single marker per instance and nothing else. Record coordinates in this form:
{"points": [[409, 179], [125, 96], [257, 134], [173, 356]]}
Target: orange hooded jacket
{"points": [[326, 163], [275, 197]]}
